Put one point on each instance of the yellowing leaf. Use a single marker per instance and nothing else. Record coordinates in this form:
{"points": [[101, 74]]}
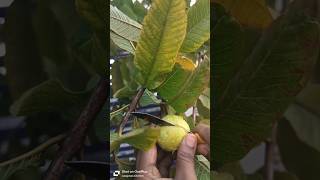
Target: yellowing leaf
{"points": [[142, 138], [252, 13], [164, 29], [198, 29], [185, 83]]}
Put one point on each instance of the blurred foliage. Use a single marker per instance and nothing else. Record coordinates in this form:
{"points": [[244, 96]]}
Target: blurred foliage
{"points": [[55, 55]]}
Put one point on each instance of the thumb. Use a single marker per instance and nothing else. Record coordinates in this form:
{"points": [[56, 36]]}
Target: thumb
{"points": [[185, 158]]}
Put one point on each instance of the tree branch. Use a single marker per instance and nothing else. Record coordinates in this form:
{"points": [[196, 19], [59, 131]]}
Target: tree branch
{"points": [[132, 107], [75, 139]]}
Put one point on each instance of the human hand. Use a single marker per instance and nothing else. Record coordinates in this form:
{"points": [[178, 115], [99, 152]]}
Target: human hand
{"points": [[204, 131], [158, 167]]}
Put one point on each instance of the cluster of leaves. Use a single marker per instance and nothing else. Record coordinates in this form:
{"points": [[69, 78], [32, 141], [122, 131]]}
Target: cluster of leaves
{"points": [[262, 60], [168, 57], [55, 56]]}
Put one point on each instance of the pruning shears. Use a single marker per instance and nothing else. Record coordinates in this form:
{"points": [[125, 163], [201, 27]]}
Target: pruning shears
{"points": [[158, 121]]}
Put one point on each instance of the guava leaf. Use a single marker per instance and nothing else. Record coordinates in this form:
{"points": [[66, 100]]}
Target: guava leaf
{"points": [[148, 98], [122, 43], [202, 168], [142, 138], [251, 13], [228, 50], [205, 98], [128, 77], [124, 26], [49, 96], [164, 29], [123, 30], [263, 86], [116, 80], [198, 28], [185, 83], [124, 92]]}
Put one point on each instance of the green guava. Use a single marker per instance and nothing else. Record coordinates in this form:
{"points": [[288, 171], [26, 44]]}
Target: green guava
{"points": [[171, 136]]}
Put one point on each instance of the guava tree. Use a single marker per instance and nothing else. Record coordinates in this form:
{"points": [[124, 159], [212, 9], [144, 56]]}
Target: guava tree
{"points": [[168, 66]]}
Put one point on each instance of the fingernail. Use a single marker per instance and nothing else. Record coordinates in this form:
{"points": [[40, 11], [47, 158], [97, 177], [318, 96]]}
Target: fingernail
{"points": [[190, 140]]}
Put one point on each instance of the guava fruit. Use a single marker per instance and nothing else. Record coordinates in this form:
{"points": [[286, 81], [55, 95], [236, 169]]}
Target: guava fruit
{"points": [[171, 136]]}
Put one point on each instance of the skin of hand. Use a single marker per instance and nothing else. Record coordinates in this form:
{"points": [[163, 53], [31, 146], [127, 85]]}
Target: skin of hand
{"points": [[157, 162], [204, 131]]}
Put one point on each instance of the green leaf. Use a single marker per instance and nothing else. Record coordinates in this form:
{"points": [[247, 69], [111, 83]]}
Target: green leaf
{"points": [[148, 98], [128, 72], [205, 98], [139, 10], [127, 8], [118, 112], [142, 138], [228, 38], [49, 96], [124, 92], [198, 29], [251, 13], [202, 168], [93, 12], [123, 26], [185, 83], [203, 111], [304, 116], [116, 80], [122, 43], [296, 155], [263, 86], [164, 29], [128, 77]]}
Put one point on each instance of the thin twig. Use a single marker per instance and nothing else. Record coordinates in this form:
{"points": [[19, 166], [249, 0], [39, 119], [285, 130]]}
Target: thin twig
{"points": [[75, 139], [118, 110], [194, 116], [35, 151], [132, 107]]}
